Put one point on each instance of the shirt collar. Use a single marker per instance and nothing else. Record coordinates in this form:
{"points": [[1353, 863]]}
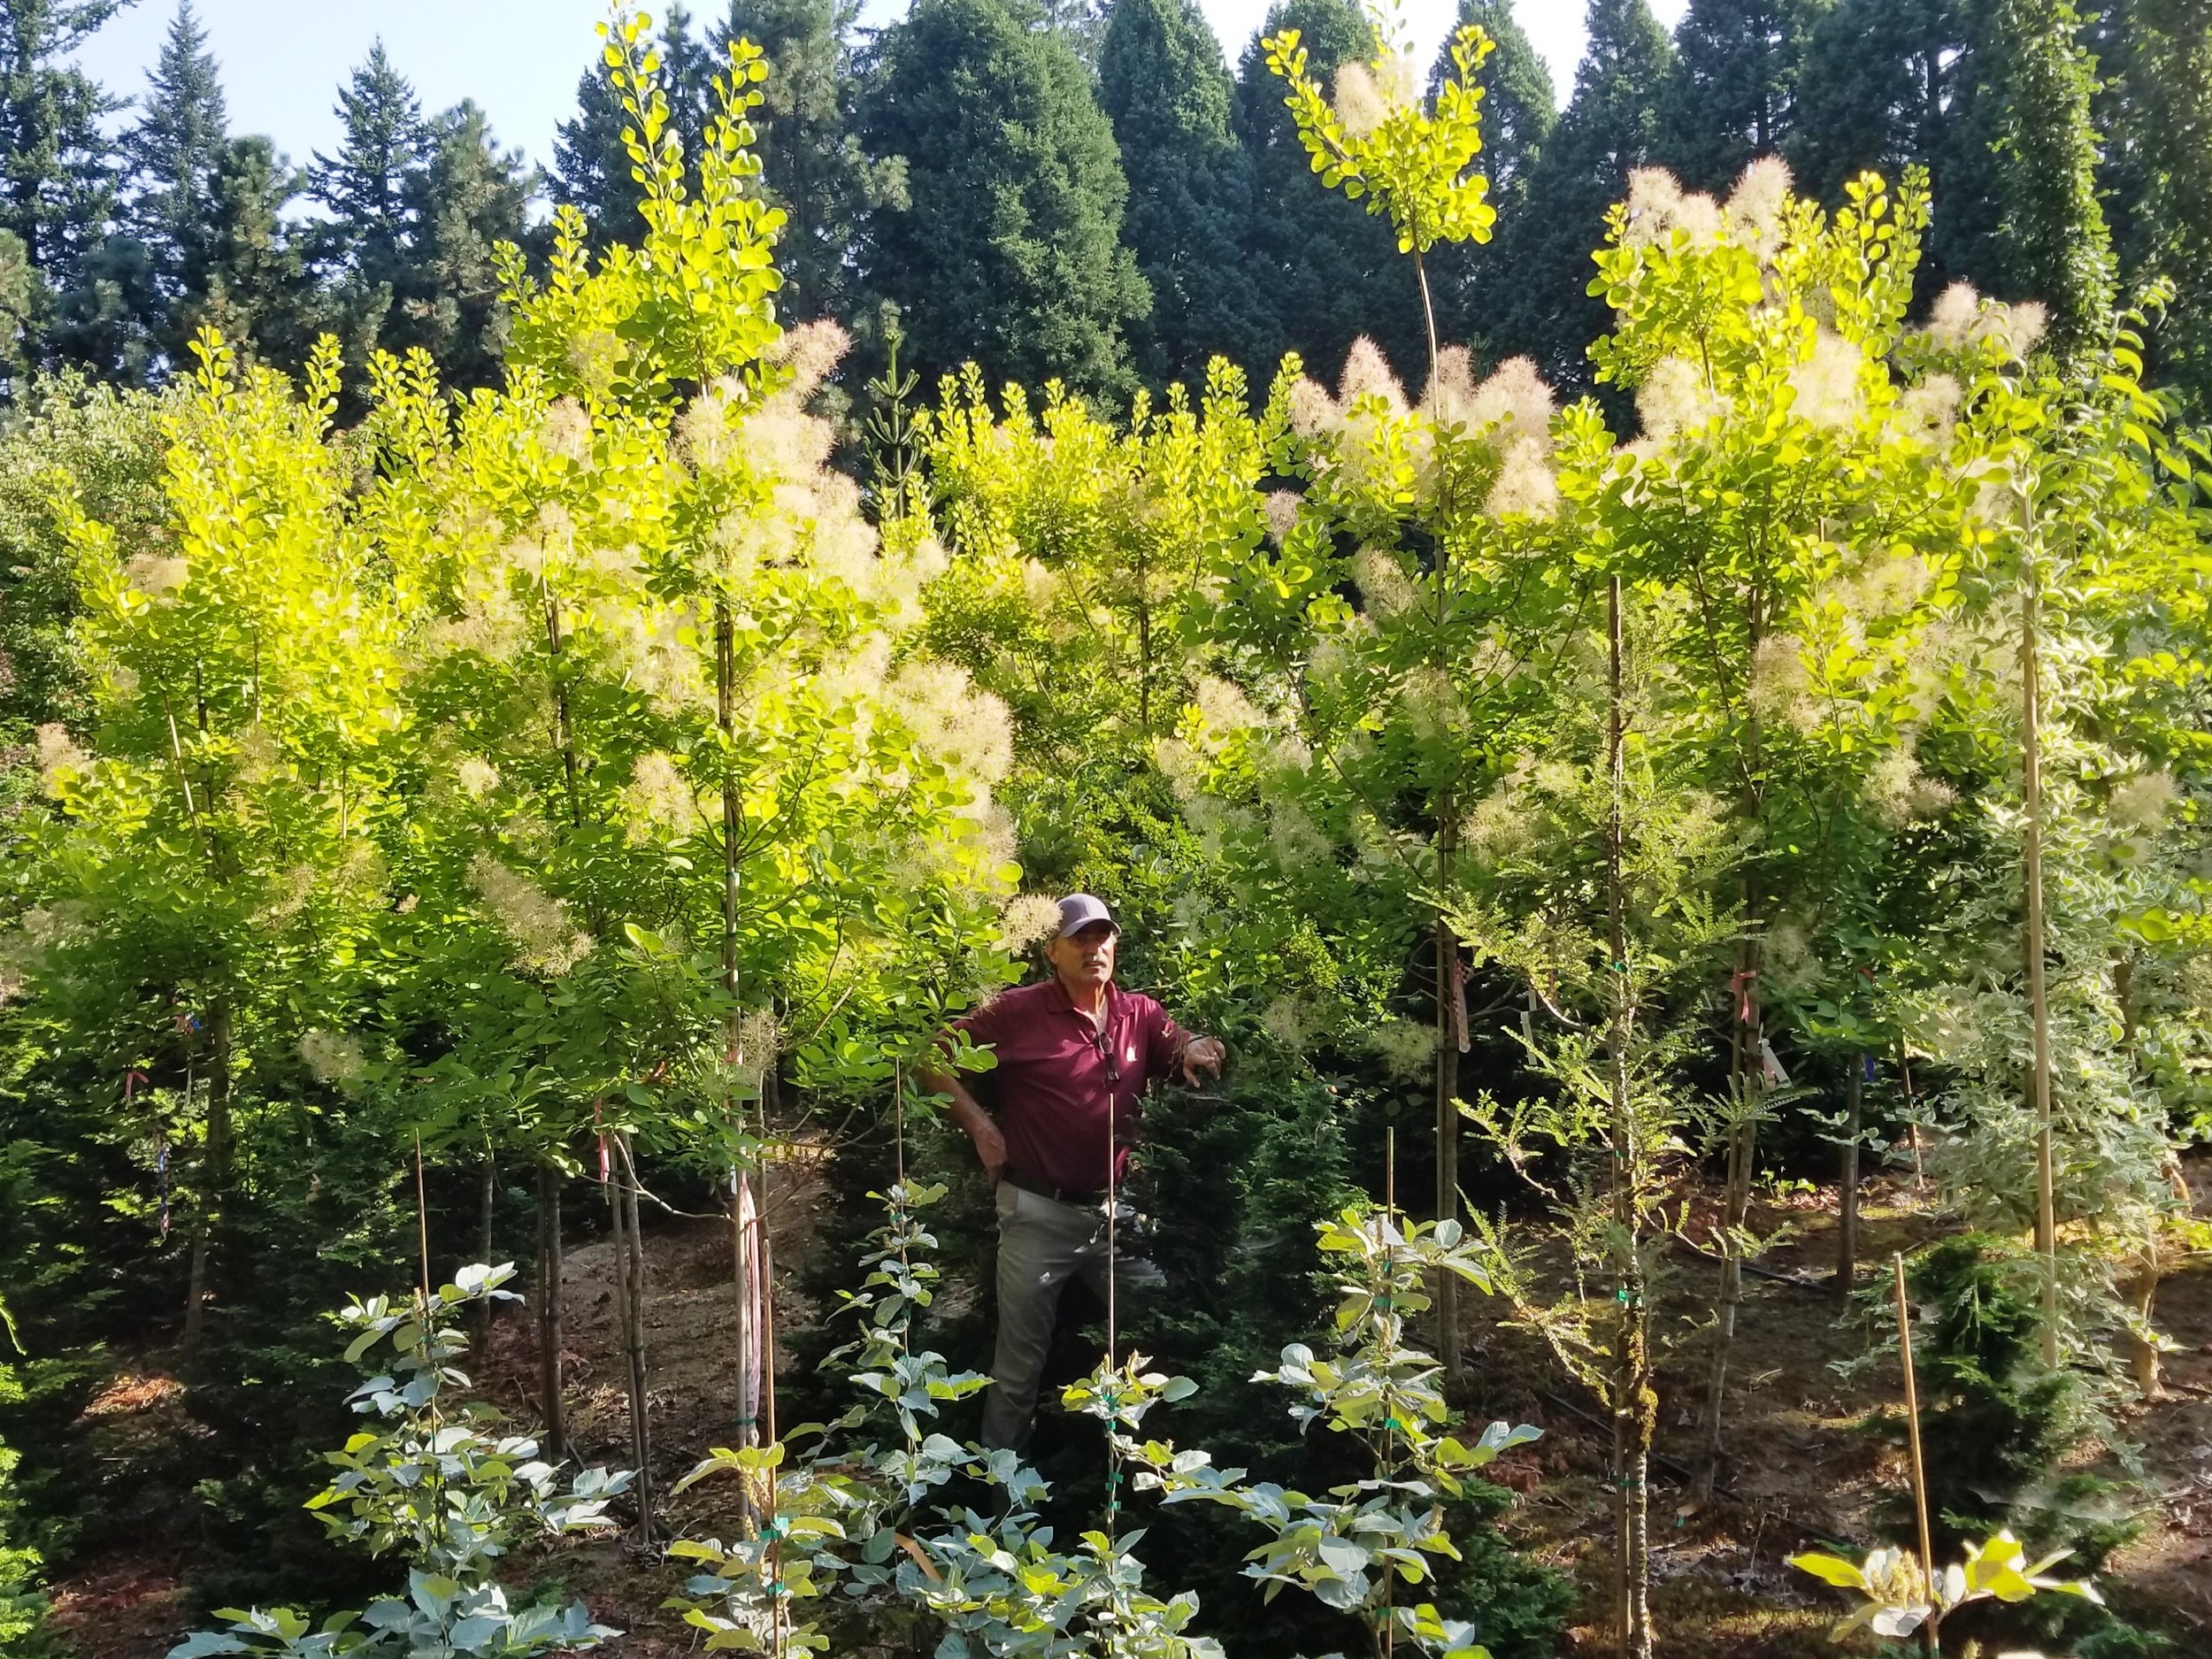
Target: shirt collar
{"points": [[1058, 998]]}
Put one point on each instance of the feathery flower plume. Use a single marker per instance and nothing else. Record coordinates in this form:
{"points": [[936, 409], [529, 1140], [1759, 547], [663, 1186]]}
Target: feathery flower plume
{"points": [[1754, 207], [1367, 374], [1383, 582], [1026, 918], [332, 1056], [535, 921]]}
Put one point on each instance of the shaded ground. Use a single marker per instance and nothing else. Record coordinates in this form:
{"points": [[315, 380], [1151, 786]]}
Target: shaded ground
{"points": [[1797, 1473]]}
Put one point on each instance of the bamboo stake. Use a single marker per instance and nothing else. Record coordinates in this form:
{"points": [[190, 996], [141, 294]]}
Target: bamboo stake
{"points": [[549, 1276], [2038, 999], [1634, 1406], [1919, 1469]]}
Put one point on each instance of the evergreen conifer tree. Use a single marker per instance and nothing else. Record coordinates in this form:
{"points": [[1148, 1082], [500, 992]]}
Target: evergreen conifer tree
{"points": [[1009, 250], [591, 169], [2050, 240], [2160, 125], [1163, 83], [1610, 128], [467, 198], [365, 251], [1992, 97], [1326, 269], [57, 196], [812, 164], [1734, 91], [174, 153], [1518, 113], [256, 291]]}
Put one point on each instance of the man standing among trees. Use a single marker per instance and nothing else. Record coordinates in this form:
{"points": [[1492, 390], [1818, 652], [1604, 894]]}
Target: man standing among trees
{"points": [[1074, 1052]]}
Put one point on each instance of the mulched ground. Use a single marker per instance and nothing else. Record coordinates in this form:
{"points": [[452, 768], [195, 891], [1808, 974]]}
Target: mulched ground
{"points": [[1797, 1472]]}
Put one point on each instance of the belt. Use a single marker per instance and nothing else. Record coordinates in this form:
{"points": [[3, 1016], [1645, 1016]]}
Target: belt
{"points": [[1058, 1195]]}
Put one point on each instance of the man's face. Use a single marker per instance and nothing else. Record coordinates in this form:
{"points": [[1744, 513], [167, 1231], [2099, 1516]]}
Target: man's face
{"points": [[1087, 959]]}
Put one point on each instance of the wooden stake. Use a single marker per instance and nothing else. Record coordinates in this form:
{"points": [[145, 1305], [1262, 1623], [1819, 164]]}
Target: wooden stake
{"points": [[1919, 1469], [422, 1219], [2038, 999], [1847, 1184]]}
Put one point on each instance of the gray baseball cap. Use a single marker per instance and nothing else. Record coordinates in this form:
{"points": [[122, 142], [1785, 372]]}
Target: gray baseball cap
{"points": [[1078, 911]]}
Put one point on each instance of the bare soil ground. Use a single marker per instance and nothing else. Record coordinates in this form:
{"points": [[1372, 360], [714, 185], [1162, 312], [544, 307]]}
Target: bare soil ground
{"points": [[1798, 1471]]}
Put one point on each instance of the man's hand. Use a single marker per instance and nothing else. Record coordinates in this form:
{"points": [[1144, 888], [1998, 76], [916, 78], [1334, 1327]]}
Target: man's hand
{"points": [[1202, 1053], [990, 1148]]}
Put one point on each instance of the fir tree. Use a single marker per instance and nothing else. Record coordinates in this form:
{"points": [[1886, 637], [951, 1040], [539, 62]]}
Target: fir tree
{"points": [[2050, 240], [1518, 113], [591, 168], [1610, 128], [2159, 118], [469, 196], [1162, 84], [1009, 250], [1734, 91], [256, 291], [365, 251], [1992, 97], [812, 162], [58, 196], [1326, 270], [175, 151]]}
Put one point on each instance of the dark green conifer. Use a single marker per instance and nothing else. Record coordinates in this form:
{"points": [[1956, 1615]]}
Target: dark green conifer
{"points": [[257, 290], [2158, 118], [812, 164], [591, 168], [1163, 83], [174, 153], [1611, 128], [469, 196], [1325, 270], [1473, 283], [1009, 249], [1992, 97], [57, 196], [363, 253], [1733, 95]]}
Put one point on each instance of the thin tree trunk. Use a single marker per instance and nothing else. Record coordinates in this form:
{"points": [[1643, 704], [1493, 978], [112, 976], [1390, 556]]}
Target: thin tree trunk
{"points": [[1447, 993], [486, 1197], [629, 1286], [1848, 1192], [552, 1403], [1747, 1085], [216, 1177], [1635, 1403], [2039, 1000]]}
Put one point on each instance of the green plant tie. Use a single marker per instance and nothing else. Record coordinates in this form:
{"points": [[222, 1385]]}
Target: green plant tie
{"points": [[1384, 1303], [1393, 1423]]}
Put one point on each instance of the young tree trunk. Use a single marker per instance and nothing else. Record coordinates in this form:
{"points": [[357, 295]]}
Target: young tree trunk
{"points": [[629, 1290], [1746, 1093], [215, 1179], [552, 1403], [1847, 1184], [486, 1197], [1635, 1403], [1448, 1027], [1748, 1079]]}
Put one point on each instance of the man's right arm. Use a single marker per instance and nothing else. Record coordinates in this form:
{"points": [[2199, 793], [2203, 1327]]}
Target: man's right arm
{"points": [[982, 1129]]}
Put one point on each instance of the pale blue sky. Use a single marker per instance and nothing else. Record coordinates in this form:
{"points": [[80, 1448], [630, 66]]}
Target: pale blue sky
{"points": [[283, 59]]}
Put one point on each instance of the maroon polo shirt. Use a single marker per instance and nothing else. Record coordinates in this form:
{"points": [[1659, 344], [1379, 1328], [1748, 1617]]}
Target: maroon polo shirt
{"points": [[1054, 1093]]}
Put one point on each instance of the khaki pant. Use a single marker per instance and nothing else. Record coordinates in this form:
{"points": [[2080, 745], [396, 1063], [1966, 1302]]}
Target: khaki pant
{"points": [[1043, 1244]]}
